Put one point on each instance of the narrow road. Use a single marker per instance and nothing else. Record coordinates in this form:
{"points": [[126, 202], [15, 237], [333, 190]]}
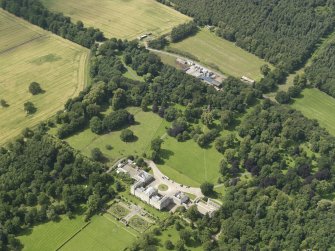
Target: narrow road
{"points": [[159, 176]]}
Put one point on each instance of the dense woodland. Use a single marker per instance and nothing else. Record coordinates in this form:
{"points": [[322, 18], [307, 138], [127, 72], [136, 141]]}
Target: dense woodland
{"points": [[42, 178], [34, 12], [286, 203], [321, 73], [283, 32]]}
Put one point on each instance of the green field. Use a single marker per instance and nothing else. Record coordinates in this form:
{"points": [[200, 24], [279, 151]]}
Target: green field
{"points": [[27, 54], [168, 59], [147, 126], [51, 235], [104, 233], [126, 19], [173, 235], [215, 51], [189, 164], [317, 105], [184, 162]]}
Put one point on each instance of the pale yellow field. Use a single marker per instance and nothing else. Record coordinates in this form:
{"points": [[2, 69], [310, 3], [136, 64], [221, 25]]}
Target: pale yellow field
{"points": [[27, 54], [126, 19]]}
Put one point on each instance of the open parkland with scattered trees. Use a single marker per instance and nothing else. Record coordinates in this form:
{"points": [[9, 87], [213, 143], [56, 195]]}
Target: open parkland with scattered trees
{"points": [[76, 103]]}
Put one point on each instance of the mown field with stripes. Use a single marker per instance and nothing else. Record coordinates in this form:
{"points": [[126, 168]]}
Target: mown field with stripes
{"points": [[316, 104]]}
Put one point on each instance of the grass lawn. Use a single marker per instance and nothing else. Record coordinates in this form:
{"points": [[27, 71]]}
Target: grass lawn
{"points": [[104, 233], [215, 51], [220, 189], [317, 105], [27, 54], [126, 19], [163, 187], [131, 74], [173, 235], [189, 164], [51, 235], [168, 59], [184, 162], [148, 125]]}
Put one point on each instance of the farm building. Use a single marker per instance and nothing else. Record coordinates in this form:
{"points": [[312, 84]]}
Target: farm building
{"points": [[248, 80], [142, 37]]}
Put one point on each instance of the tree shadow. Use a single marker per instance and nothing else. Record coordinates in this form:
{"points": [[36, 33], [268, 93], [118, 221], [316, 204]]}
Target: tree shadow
{"points": [[214, 195], [166, 154]]}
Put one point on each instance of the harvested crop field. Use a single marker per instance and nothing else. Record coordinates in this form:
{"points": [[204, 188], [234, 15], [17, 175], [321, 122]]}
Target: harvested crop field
{"points": [[126, 19], [30, 54]]}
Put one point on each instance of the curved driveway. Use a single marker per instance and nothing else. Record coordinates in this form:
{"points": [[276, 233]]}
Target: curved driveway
{"points": [[172, 184]]}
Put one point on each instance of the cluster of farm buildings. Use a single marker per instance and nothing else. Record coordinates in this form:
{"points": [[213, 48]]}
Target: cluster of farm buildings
{"points": [[205, 74], [145, 188], [200, 72]]}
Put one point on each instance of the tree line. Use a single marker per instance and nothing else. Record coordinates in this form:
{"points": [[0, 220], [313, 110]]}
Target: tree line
{"points": [[183, 31], [321, 74], [34, 12]]}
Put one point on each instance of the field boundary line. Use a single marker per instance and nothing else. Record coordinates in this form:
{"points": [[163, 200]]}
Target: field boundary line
{"points": [[24, 43], [74, 235]]}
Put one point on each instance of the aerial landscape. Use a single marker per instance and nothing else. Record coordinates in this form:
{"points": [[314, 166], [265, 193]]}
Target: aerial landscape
{"points": [[130, 125]]}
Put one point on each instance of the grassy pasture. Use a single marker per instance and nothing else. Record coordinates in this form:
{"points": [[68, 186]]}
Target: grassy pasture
{"points": [[51, 235], [173, 235], [147, 126], [27, 54], [184, 162], [104, 233], [126, 19], [212, 50], [189, 164], [317, 105]]}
